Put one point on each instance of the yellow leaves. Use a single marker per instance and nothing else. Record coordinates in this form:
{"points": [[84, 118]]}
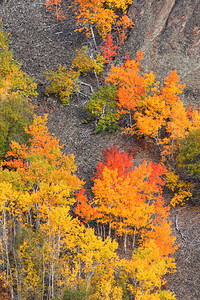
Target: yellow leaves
{"points": [[149, 118], [182, 189], [62, 83], [103, 15], [149, 79], [119, 4], [146, 269], [84, 63], [105, 20], [52, 245], [93, 13], [13, 81]]}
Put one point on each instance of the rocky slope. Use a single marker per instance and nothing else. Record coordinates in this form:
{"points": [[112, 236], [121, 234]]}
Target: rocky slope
{"points": [[169, 32]]}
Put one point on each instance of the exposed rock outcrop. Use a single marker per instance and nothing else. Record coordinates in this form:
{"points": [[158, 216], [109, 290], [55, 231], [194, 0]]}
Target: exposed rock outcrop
{"points": [[168, 31]]}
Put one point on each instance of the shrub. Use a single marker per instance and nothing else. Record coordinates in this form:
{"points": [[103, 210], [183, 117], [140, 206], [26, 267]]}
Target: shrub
{"points": [[103, 107]]}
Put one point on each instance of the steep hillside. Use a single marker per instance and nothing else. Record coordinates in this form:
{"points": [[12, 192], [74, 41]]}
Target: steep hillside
{"points": [[169, 33]]}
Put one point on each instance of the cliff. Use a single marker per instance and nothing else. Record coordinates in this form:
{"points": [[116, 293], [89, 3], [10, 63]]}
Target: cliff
{"points": [[168, 31]]}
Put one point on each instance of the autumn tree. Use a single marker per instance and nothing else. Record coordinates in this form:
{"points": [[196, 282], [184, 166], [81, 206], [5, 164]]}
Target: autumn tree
{"points": [[13, 81], [155, 110], [145, 272], [104, 16], [109, 50], [129, 200], [130, 84], [15, 87], [54, 7], [127, 197], [43, 249], [64, 82]]}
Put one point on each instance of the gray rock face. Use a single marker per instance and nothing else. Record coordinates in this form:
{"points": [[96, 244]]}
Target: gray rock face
{"points": [[168, 31]]}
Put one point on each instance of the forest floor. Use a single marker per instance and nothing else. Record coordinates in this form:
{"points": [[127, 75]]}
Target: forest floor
{"points": [[40, 44]]}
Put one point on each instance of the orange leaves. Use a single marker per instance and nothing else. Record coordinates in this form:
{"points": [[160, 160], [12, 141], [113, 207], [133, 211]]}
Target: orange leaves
{"points": [[83, 208], [155, 110], [171, 88], [103, 15], [53, 6], [92, 12], [128, 197], [124, 23], [131, 85]]}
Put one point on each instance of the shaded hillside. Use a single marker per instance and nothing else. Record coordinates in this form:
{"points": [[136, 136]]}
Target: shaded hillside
{"points": [[168, 31]]}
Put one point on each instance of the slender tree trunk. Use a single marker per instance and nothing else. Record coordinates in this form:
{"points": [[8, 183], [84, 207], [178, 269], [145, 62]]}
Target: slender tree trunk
{"points": [[52, 277], [8, 268], [109, 232], [125, 242], [93, 37], [98, 232], [101, 231], [104, 233], [130, 119], [43, 271], [95, 73], [134, 237]]}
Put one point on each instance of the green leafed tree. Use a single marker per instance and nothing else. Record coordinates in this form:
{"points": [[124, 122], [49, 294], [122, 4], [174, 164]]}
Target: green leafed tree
{"points": [[15, 114], [102, 107], [189, 154], [15, 88]]}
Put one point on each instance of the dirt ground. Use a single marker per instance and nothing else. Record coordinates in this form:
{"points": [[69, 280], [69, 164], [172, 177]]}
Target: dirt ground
{"points": [[39, 43]]}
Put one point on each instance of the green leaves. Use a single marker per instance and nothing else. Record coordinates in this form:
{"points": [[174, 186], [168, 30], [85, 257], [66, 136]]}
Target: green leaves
{"points": [[189, 154], [15, 114], [103, 107], [64, 82], [84, 63], [15, 88]]}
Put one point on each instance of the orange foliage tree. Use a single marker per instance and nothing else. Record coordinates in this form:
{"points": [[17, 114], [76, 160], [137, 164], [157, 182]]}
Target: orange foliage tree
{"points": [[53, 6], [102, 15], [155, 110], [131, 85], [129, 200]]}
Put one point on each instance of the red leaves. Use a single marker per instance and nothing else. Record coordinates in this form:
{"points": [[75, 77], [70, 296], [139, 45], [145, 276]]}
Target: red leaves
{"points": [[109, 49], [114, 159]]}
